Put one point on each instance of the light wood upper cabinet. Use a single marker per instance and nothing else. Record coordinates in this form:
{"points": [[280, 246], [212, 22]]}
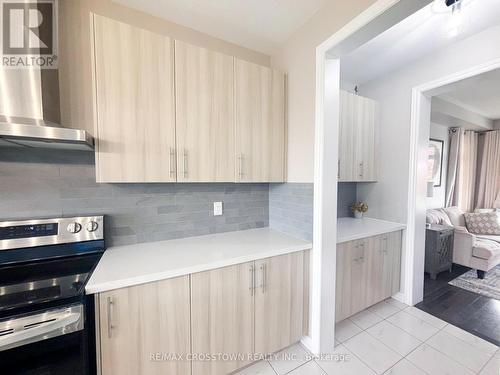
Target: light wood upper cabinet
{"points": [[142, 320], [204, 114], [359, 118], [222, 316], [260, 123], [216, 119], [134, 88], [368, 271], [279, 302]]}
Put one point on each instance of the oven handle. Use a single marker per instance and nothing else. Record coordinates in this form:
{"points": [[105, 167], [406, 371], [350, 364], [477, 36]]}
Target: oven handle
{"points": [[41, 326]]}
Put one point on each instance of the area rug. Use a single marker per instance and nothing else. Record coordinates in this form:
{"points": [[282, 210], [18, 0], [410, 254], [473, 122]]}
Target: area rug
{"points": [[489, 286]]}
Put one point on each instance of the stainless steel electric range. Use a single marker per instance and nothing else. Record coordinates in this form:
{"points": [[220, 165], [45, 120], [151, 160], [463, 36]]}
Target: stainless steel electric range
{"points": [[46, 321]]}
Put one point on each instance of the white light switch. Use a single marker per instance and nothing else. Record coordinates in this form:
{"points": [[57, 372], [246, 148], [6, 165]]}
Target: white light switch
{"points": [[217, 208]]}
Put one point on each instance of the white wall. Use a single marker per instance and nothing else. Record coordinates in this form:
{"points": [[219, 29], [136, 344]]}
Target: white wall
{"points": [[388, 198], [297, 57], [440, 132]]}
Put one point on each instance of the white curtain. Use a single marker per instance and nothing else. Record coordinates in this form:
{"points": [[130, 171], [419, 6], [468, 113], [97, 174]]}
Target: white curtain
{"points": [[451, 178], [462, 164], [488, 192]]}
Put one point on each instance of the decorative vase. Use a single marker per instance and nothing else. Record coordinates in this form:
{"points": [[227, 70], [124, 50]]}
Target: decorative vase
{"points": [[358, 214]]}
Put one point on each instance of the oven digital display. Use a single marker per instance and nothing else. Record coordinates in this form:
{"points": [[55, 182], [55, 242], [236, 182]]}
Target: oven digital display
{"points": [[28, 231]]}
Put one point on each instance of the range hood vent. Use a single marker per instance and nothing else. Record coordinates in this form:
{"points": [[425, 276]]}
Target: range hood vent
{"points": [[30, 113], [19, 132]]}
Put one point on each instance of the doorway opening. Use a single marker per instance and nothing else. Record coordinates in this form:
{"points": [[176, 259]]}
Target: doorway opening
{"points": [[396, 53]]}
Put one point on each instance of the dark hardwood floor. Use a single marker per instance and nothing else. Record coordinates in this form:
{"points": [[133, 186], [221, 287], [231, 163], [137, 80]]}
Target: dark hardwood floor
{"points": [[470, 311]]}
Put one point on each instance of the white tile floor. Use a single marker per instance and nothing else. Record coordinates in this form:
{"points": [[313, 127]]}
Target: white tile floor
{"points": [[391, 338]]}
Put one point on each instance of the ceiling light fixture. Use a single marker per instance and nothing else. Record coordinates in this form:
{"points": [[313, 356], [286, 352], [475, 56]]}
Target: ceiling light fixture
{"points": [[456, 23]]}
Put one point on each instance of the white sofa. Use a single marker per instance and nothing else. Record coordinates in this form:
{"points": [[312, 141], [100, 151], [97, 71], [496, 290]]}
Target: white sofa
{"points": [[481, 252]]}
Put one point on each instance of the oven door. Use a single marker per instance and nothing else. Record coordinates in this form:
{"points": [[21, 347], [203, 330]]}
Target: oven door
{"points": [[47, 342]]}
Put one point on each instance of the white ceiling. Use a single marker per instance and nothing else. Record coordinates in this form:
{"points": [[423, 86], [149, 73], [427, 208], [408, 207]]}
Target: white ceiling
{"points": [[261, 25], [418, 35], [479, 94]]}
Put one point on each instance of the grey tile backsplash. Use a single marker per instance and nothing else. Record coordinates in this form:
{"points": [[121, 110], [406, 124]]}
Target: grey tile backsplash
{"points": [[346, 195], [291, 207], [44, 183], [37, 183]]}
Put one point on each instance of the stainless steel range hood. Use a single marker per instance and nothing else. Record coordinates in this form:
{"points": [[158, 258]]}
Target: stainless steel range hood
{"points": [[30, 113]]}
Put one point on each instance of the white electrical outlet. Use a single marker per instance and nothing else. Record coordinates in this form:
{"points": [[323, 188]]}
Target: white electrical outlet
{"points": [[217, 208]]}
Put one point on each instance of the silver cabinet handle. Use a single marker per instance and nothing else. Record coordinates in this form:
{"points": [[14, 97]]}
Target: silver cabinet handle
{"points": [[185, 163], [240, 168], [252, 280], [263, 280], [386, 247], [362, 257], [360, 169], [338, 169], [172, 162], [110, 318], [356, 247]]}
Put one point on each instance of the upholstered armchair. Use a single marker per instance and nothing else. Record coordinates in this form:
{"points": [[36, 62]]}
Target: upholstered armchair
{"points": [[479, 252]]}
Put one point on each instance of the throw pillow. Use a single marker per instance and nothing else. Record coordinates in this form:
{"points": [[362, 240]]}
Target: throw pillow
{"points": [[456, 216], [438, 216], [483, 223]]}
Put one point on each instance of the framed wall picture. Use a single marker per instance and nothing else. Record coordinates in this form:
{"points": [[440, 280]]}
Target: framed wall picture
{"points": [[435, 161]]}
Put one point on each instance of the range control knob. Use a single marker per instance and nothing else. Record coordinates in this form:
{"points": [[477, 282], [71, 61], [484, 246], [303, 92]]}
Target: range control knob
{"points": [[92, 226], [74, 227]]}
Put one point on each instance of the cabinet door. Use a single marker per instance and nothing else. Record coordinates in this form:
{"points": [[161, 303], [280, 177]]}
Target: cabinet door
{"points": [[279, 302], [376, 270], [357, 138], [222, 316], [393, 265], [134, 104], [348, 141], [387, 266], [359, 275], [367, 120], [140, 321], [343, 281], [373, 259], [204, 114], [260, 123]]}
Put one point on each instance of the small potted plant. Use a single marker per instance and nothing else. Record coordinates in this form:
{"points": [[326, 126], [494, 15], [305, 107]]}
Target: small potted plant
{"points": [[359, 208]]}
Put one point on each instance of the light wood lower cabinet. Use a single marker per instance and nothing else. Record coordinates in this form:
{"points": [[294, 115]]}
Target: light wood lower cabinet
{"points": [[279, 302], [368, 271], [222, 316], [214, 321], [252, 308], [139, 322]]}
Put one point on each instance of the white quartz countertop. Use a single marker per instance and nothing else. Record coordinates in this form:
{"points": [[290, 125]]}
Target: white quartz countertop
{"points": [[123, 266], [349, 229]]}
